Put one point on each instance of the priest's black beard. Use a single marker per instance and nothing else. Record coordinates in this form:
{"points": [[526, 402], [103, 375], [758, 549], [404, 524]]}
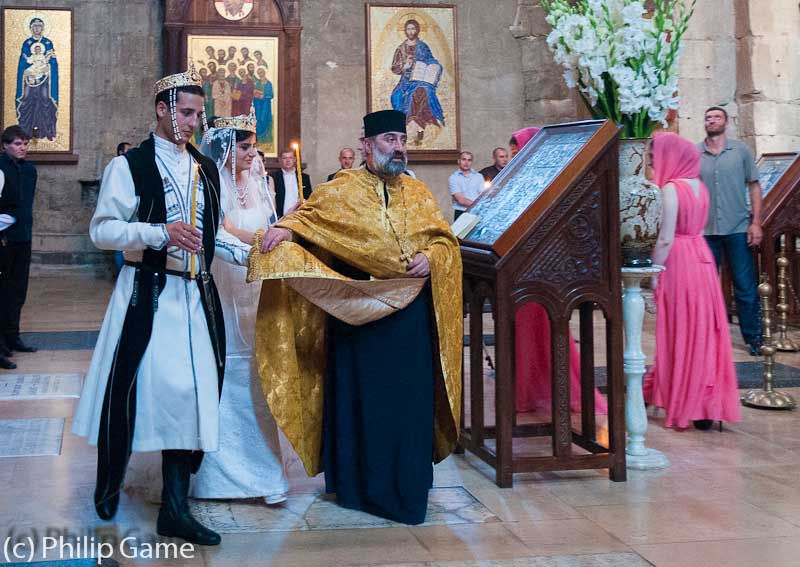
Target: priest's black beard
{"points": [[385, 164]]}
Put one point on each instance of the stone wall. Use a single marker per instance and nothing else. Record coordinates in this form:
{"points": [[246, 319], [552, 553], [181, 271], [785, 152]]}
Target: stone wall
{"points": [[768, 60], [744, 57], [737, 54], [708, 72], [334, 84], [117, 55], [547, 98]]}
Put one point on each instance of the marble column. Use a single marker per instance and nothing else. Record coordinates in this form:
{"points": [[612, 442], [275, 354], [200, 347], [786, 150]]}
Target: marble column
{"points": [[638, 456]]}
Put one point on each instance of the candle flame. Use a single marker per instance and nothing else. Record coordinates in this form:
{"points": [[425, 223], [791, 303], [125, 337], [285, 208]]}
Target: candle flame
{"points": [[487, 184], [295, 146]]}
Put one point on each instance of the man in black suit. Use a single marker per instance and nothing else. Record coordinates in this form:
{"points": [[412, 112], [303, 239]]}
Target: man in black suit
{"points": [[17, 201], [286, 193]]}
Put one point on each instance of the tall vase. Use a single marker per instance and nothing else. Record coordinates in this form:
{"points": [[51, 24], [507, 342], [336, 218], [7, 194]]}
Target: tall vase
{"points": [[639, 205]]}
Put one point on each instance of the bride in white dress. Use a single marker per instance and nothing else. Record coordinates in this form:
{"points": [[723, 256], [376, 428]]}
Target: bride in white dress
{"points": [[248, 463]]}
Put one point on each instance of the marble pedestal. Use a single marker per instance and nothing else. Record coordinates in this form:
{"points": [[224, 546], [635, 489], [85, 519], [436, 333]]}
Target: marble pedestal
{"points": [[638, 456]]}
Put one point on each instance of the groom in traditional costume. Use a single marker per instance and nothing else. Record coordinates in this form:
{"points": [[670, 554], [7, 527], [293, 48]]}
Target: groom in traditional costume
{"points": [[156, 374], [372, 393]]}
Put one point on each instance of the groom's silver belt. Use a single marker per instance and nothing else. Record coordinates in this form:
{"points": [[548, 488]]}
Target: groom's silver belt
{"points": [[142, 266]]}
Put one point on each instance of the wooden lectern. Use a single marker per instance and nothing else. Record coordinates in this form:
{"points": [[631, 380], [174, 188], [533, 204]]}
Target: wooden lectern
{"points": [[548, 233], [780, 181]]}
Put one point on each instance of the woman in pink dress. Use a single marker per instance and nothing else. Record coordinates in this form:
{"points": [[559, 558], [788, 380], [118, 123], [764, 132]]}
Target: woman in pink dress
{"points": [[693, 377], [532, 352]]}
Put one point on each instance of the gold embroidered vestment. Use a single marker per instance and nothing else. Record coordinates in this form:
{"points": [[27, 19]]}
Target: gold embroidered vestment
{"points": [[348, 218]]}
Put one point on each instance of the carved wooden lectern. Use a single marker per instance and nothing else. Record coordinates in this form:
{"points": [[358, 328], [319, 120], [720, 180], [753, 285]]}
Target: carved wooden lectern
{"points": [[548, 233]]}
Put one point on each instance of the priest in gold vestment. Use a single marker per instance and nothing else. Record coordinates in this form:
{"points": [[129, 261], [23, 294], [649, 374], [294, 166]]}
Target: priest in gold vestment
{"points": [[360, 330]]}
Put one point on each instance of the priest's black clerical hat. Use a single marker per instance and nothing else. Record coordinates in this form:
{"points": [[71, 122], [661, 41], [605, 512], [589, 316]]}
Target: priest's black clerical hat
{"points": [[384, 121]]}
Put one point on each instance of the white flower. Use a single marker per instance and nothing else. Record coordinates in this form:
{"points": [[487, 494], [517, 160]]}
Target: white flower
{"points": [[610, 42]]}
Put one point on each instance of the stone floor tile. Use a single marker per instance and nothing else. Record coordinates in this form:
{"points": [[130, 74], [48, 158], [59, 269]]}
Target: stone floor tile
{"points": [[559, 537], [470, 541], [588, 560], [641, 486], [318, 548], [524, 503], [687, 519], [763, 551], [31, 437]]}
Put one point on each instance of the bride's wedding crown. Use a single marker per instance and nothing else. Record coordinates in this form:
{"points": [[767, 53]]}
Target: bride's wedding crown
{"points": [[189, 78], [238, 122]]}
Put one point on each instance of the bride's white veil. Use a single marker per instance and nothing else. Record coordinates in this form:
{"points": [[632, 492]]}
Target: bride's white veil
{"points": [[247, 206], [219, 144]]}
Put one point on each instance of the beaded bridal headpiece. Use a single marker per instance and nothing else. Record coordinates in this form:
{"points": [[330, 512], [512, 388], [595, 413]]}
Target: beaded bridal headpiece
{"points": [[241, 122], [189, 78], [220, 140]]}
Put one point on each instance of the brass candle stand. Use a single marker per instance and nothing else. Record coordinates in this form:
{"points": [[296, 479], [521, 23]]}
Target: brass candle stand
{"points": [[783, 342], [767, 397]]}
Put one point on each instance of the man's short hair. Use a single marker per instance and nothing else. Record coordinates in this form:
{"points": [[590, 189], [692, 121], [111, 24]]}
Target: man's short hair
{"points": [[469, 153], [348, 149], [163, 96], [12, 133], [121, 147], [498, 149], [722, 110], [285, 151]]}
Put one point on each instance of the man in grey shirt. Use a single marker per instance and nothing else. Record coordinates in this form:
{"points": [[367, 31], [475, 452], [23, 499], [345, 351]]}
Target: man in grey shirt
{"points": [[729, 171], [465, 184]]}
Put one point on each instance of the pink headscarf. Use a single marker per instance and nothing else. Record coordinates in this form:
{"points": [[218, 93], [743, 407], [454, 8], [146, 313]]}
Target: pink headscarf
{"points": [[674, 157], [524, 136]]}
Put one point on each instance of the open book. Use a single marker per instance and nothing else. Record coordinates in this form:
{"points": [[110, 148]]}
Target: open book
{"points": [[427, 73], [464, 224]]}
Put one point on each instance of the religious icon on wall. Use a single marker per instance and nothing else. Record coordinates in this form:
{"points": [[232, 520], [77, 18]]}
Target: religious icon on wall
{"points": [[37, 75], [238, 72], [412, 67], [234, 9], [771, 168]]}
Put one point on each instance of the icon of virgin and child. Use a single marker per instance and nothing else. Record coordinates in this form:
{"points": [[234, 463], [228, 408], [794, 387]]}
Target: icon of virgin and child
{"points": [[36, 99]]}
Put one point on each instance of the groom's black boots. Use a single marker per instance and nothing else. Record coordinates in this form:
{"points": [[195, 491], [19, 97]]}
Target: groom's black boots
{"points": [[174, 518], [106, 506]]}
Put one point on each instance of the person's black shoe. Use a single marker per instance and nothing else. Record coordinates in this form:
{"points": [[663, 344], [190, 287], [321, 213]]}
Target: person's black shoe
{"points": [[185, 527], [703, 424], [107, 508], [6, 364], [17, 345], [174, 518]]}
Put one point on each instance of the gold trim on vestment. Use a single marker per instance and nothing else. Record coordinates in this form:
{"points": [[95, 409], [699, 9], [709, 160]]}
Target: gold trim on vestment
{"points": [[348, 218]]}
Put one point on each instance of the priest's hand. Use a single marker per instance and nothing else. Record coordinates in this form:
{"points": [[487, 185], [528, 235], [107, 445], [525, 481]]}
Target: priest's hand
{"points": [[273, 237], [419, 267], [184, 236]]}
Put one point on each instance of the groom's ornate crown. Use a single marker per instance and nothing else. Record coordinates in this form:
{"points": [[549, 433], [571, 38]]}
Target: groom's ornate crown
{"points": [[238, 122], [189, 78]]}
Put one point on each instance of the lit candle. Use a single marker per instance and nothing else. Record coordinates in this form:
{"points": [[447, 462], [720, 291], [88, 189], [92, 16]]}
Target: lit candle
{"points": [[194, 215], [487, 185], [296, 148]]}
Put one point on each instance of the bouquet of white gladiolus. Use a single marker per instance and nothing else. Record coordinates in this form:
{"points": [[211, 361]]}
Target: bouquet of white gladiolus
{"points": [[622, 58]]}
